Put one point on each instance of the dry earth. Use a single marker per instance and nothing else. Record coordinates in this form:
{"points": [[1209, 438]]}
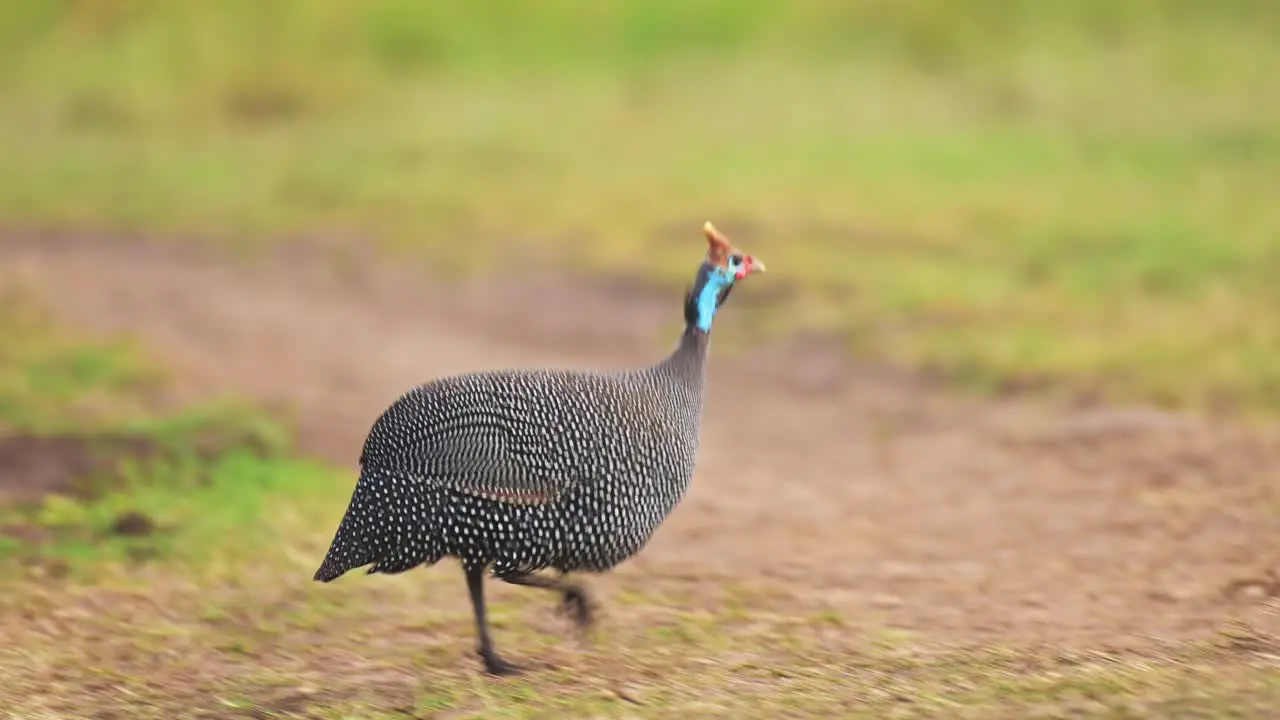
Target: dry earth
{"points": [[823, 485]]}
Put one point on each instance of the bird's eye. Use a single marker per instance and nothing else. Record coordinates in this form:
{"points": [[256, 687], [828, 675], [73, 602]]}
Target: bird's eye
{"points": [[735, 260]]}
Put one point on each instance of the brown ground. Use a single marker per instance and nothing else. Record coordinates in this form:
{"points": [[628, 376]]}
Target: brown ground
{"points": [[821, 483]]}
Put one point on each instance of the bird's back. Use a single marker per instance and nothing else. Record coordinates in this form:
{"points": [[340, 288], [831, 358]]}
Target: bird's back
{"points": [[536, 432]]}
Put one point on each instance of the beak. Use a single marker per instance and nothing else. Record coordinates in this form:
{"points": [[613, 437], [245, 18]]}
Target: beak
{"points": [[757, 265]]}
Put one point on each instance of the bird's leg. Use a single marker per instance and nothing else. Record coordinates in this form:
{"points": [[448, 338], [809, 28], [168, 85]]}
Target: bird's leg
{"points": [[577, 603], [493, 664]]}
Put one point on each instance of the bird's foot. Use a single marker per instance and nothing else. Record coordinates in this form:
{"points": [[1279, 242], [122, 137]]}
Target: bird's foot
{"points": [[495, 665], [577, 606]]}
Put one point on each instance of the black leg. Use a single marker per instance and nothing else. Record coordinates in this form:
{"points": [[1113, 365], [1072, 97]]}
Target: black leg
{"points": [[577, 603], [493, 664]]}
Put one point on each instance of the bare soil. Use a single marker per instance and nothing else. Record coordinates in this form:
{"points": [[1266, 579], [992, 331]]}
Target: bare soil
{"points": [[34, 466], [823, 485]]}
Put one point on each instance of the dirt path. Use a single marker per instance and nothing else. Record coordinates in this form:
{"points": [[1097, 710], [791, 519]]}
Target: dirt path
{"points": [[826, 486]]}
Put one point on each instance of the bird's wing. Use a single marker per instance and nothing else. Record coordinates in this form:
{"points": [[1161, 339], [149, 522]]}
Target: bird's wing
{"points": [[489, 461], [486, 440]]}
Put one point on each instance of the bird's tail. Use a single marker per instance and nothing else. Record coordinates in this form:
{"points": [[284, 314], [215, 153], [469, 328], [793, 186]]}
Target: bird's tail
{"points": [[373, 532], [357, 541], [352, 545], [328, 571]]}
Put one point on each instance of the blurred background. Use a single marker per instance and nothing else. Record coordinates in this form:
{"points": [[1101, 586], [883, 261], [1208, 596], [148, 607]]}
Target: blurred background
{"points": [[1072, 200], [1004, 192]]}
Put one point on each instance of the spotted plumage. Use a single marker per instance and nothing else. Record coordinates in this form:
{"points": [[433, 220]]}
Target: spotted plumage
{"points": [[517, 471]]}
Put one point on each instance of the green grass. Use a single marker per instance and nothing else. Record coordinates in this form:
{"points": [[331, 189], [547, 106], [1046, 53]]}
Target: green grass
{"points": [[203, 473], [90, 412], [1074, 196], [51, 380]]}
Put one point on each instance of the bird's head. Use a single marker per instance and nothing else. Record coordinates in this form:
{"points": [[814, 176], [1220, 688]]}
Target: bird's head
{"points": [[722, 268]]}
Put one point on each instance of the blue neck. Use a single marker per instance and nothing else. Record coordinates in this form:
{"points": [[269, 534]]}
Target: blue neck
{"points": [[712, 281]]}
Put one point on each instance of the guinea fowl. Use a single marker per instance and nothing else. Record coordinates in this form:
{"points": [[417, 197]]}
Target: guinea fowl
{"points": [[517, 471]]}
